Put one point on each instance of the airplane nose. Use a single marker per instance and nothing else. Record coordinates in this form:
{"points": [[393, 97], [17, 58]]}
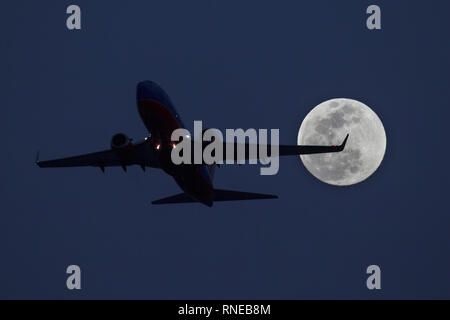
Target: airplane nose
{"points": [[149, 90], [145, 90]]}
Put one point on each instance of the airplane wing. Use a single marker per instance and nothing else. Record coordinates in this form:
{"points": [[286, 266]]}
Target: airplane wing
{"points": [[285, 150], [138, 154]]}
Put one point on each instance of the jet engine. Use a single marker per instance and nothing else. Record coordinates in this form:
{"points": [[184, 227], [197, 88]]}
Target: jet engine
{"points": [[120, 141]]}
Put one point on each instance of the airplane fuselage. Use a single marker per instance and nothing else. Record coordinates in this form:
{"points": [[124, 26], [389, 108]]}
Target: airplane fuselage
{"points": [[161, 119]]}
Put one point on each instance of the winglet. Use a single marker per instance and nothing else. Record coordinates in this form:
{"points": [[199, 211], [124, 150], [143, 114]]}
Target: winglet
{"points": [[342, 146]]}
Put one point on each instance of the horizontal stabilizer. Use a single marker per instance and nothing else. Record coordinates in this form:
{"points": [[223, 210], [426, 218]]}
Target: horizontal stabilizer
{"points": [[178, 198], [219, 195], [229, 195]]}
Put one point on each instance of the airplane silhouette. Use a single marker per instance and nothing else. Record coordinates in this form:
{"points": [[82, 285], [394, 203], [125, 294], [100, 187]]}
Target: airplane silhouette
{"points": [[161, 119]]}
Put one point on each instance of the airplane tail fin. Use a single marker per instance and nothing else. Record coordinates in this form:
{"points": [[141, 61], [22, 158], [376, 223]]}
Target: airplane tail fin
{"points": [[219, 195]]}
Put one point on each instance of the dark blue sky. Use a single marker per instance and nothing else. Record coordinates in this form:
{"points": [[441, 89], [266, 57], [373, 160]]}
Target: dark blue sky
{"points": [[259, 64]]}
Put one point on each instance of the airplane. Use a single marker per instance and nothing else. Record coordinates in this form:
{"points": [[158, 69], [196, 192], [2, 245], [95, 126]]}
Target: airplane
{"points": [[161, 118]]}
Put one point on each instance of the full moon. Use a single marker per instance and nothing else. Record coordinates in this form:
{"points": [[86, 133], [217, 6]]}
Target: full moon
{"points": [[328, 124]]}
